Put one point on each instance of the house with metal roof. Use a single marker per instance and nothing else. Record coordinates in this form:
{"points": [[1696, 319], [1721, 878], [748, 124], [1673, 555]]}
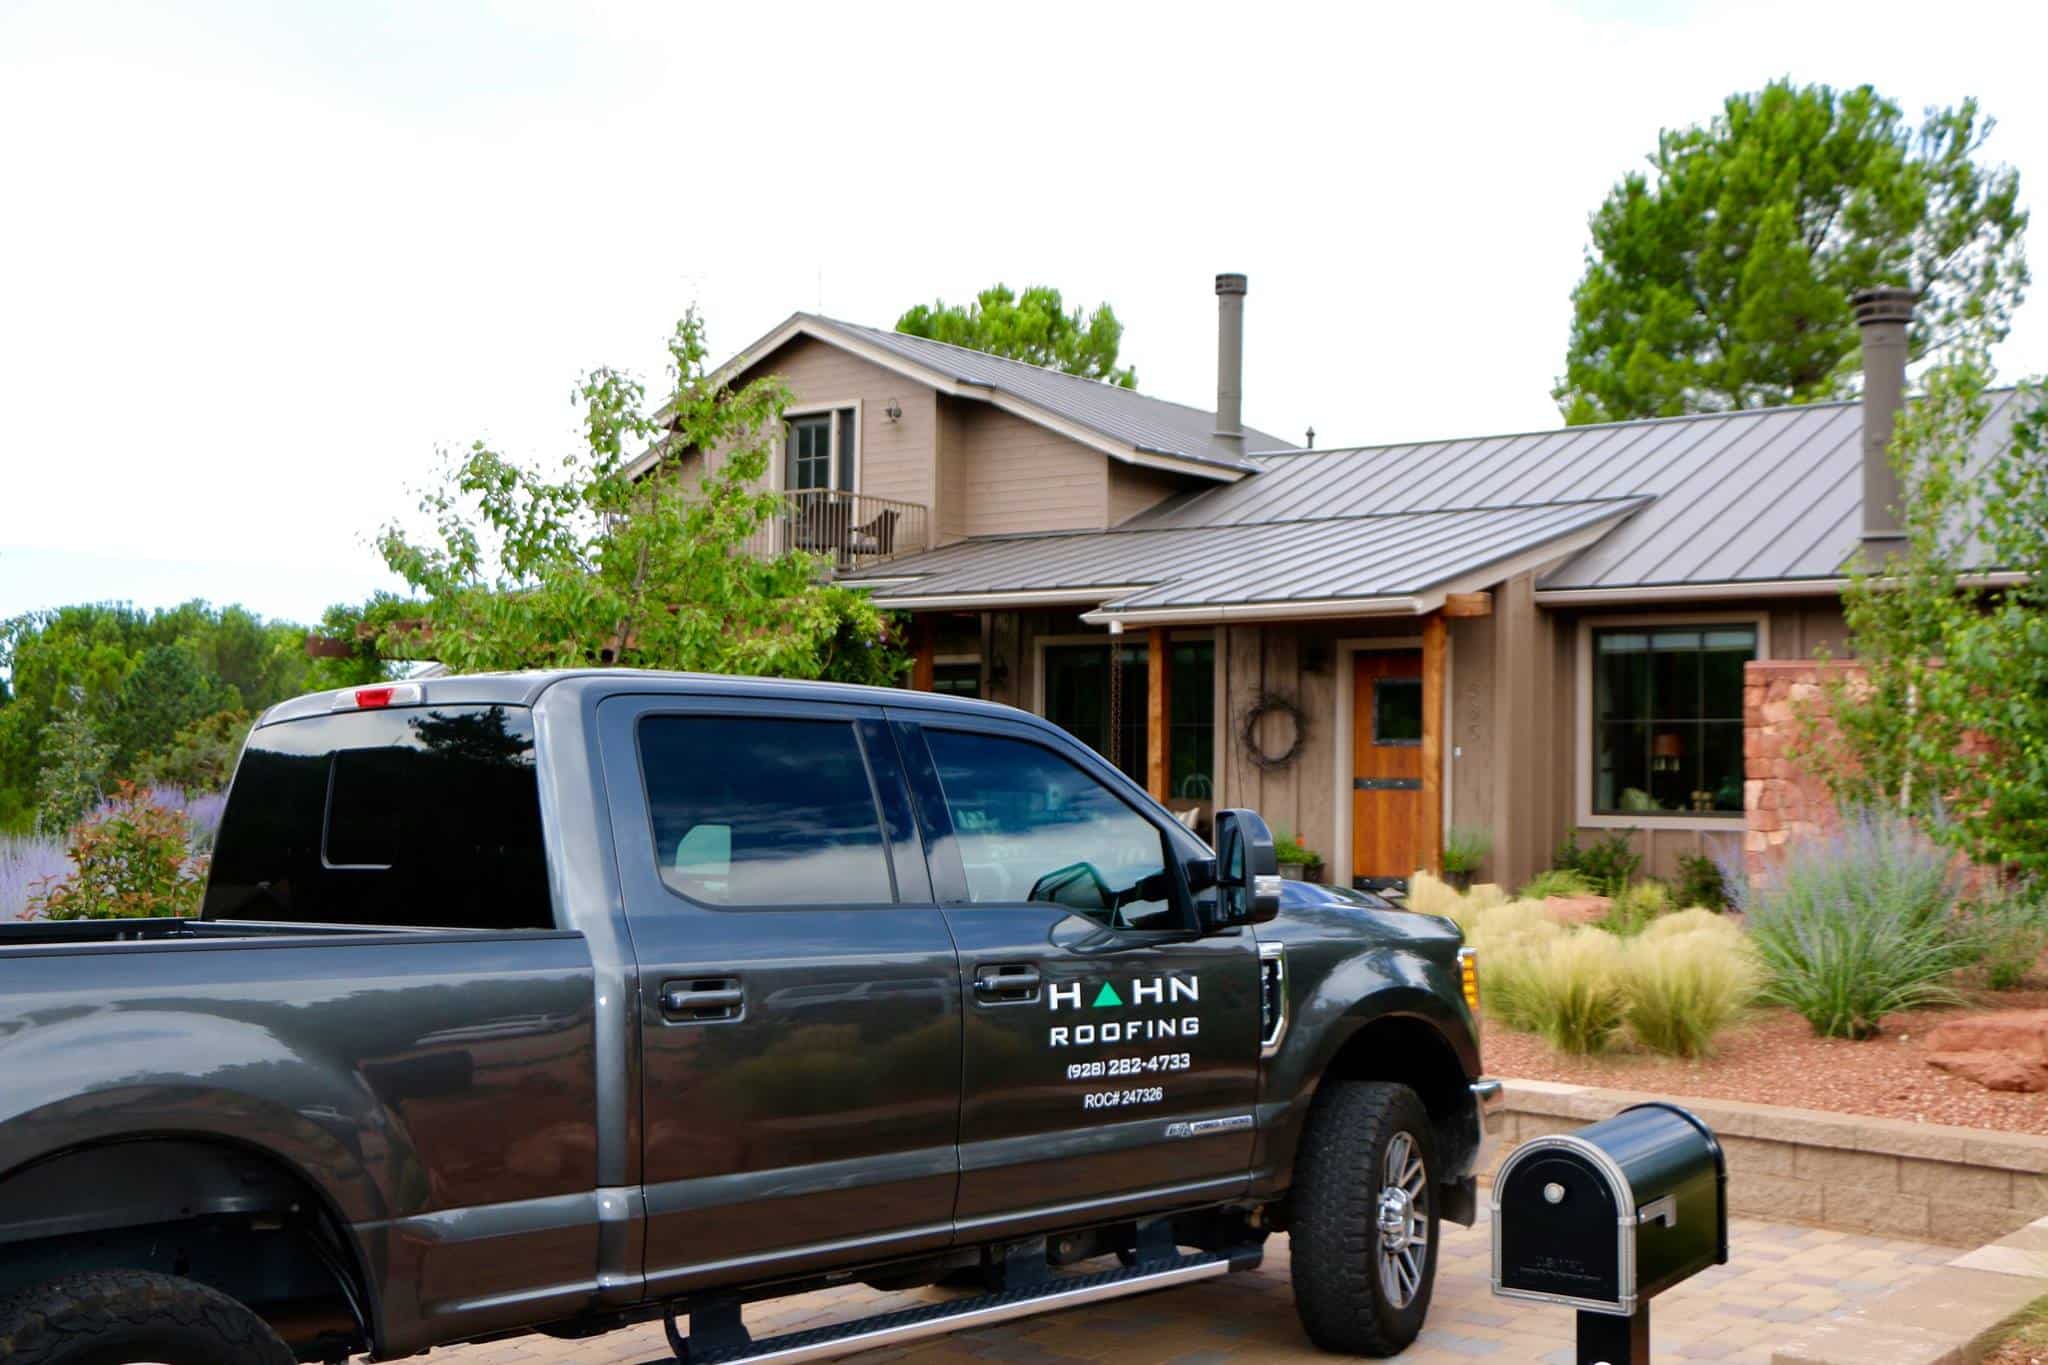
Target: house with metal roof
{"points": [[1528, 634]]}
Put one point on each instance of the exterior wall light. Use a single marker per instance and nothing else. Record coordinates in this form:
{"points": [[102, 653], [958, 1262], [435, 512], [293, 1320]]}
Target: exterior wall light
{"points": [[894, 412]]}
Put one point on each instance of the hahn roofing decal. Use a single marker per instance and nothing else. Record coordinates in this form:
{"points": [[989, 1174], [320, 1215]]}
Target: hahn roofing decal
{"points": [[1139, 991]]}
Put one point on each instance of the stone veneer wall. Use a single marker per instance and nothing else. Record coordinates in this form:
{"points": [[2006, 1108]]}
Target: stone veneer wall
{"points": [[1781, 800], [1926, 1181]]}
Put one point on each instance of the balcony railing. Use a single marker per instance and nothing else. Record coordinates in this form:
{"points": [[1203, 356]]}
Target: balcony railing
{"points": [[851, 530]]}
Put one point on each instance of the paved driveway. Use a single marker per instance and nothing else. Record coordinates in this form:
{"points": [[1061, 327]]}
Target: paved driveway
{"points": [[1777, 1276]]}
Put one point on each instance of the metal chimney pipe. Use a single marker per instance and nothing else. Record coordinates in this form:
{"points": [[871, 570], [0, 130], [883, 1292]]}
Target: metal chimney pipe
{"points": [[1230, 359], [1883, 314]]}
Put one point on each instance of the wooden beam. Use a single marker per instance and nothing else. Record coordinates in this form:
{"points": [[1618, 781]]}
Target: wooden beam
{"points": [[1158, 714], [924, 635], [1463, 605], [1435, 651]]}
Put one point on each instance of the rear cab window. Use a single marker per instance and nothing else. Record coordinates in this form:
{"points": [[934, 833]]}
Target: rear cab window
{"points": [[415, 816]]}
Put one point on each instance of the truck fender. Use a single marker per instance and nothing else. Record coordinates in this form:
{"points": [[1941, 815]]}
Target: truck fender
{"points": [[1377, 1018], [94, 1078]]}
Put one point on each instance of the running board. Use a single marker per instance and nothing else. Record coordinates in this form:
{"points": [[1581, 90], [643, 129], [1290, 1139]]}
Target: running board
{"points": [[938, 1319]]}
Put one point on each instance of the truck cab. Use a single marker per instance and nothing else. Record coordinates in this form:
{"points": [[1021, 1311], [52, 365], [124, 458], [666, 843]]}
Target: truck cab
{"points": [[562, 1001]]}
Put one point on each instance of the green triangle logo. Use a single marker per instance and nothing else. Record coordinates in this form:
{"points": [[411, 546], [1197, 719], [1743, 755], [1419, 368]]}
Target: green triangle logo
{"points": [[1108, 997]]}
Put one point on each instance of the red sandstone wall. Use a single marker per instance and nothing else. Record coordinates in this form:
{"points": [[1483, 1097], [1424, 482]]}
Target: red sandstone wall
{"points": [[1781, 800]]}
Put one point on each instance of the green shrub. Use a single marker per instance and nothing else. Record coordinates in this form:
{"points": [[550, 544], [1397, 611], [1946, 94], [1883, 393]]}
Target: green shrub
{"points": [[1556, 882], [1684, 987], [1610, 862], [1288, 849], [1636, 907], [1701, 882], [1694, 920], [2008, 927], [131, 858], [1858, 924], [200, 757], [1576, 997], [1509, 938], [1465, 849], [77, 763]]}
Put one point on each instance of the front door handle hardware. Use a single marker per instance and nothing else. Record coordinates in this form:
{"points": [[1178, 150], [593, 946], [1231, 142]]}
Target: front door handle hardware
{"points": [[1011, 981], [702, 999], [1386, 784]]}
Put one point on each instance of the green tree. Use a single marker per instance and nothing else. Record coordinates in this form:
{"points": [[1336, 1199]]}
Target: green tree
{"points": [[1033, 327], [1721, 278], [165, 692], [1949, 704], [77, 766], [595, 565]]}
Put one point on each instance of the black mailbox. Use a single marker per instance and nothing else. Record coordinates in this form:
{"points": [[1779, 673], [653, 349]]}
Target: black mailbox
{"points": [[1604, 1218]]}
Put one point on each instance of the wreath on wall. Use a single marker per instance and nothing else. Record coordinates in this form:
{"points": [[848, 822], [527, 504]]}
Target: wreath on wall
{"points": [[1272, 704]]}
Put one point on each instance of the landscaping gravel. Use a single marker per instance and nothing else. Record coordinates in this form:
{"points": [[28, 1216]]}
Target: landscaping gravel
{"points": [[1774, 1058]]}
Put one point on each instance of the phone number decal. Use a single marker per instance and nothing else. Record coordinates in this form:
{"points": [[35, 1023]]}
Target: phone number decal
{"points": [[1128, 1066], [1120, 1099]]}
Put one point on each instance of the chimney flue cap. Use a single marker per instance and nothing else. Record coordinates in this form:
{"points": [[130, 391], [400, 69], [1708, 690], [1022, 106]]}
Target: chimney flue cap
{"points": [[1885, 303], [1230, 284]]}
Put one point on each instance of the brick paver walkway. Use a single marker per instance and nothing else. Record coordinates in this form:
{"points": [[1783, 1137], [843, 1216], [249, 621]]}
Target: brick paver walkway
{"points": [[1777, 1275]]}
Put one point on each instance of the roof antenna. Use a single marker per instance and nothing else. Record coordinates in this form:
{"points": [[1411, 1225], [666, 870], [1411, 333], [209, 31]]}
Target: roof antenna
{"points": [[1311, 438]]}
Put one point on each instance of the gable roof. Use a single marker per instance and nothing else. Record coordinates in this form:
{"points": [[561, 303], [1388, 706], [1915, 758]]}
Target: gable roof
{"points": [[1122, 424], [1762, 501], [1147, 424]]}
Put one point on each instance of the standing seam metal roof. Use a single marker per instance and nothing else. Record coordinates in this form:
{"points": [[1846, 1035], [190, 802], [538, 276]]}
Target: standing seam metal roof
{"points": [[1766, 495]]}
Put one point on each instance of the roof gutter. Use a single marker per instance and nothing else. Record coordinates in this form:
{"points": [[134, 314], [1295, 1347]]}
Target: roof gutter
{"points": [[1727, 592], [1316, 609], [996, 601]]}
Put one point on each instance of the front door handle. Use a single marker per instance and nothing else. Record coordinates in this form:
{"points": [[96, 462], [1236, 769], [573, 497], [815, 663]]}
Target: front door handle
{"points": [[1007, 981], [702, 999]]}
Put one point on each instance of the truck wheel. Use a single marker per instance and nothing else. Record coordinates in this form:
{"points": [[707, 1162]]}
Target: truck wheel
{"points": [[123, 1317], [1365, 1219]]}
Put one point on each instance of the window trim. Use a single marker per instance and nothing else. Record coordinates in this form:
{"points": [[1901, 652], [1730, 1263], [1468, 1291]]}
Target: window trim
{"points": [[1583, 814], [780, 479]]}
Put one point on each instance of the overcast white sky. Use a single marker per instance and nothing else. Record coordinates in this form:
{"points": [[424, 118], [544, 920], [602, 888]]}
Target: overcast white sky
{"points": [[257, 260]]}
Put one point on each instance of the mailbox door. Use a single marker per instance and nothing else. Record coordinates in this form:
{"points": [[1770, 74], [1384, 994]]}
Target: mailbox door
{"points": [[1558, 1230]]}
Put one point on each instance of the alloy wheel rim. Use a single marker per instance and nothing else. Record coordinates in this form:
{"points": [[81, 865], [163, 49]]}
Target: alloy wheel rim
{"points": [[1402, 1216]]}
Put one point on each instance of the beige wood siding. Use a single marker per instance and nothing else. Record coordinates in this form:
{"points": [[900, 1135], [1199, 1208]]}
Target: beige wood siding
{"points": [[898, 459], [1134, 488], [1015, 476]]}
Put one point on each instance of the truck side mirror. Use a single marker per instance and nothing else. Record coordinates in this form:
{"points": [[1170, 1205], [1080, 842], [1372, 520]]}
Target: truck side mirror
{"points": [[1247, 871]]}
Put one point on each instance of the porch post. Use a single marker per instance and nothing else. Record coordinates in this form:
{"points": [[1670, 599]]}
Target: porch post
{"points": [[924, 639], [1158, 713], [1435, 651]]}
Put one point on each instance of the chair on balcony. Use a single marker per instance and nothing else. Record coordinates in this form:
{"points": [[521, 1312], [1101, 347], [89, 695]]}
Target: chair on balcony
{"points": [[875, 538]]}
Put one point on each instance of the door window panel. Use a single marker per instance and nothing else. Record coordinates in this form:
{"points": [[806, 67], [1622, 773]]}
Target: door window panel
{"points": [[761, 811], [1032, 826], [1397, 711], [810, 452]]}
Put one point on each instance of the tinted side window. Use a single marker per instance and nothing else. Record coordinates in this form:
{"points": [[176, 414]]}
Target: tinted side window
{"points": [[1032, 826], [417, 816], [758, 811]]}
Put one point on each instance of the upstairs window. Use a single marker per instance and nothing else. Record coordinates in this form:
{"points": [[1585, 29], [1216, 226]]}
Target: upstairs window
{"points": [[1667, 719], [821, 451]]}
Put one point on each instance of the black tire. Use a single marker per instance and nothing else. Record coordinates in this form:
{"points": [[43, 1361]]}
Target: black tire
{"points": [[1335, 1239], [120, 1317]]}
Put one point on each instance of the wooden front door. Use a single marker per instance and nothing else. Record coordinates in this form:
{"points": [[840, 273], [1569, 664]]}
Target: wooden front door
{"points": [[1386, 765]]}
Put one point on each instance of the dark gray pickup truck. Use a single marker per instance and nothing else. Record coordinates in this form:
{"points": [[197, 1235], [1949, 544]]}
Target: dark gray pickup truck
{"points": [[561, 1002]]}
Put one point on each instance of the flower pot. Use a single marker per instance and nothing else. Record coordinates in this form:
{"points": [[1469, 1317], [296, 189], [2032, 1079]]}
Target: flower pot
{"points": [[1293, 872], [1460, 882]]}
